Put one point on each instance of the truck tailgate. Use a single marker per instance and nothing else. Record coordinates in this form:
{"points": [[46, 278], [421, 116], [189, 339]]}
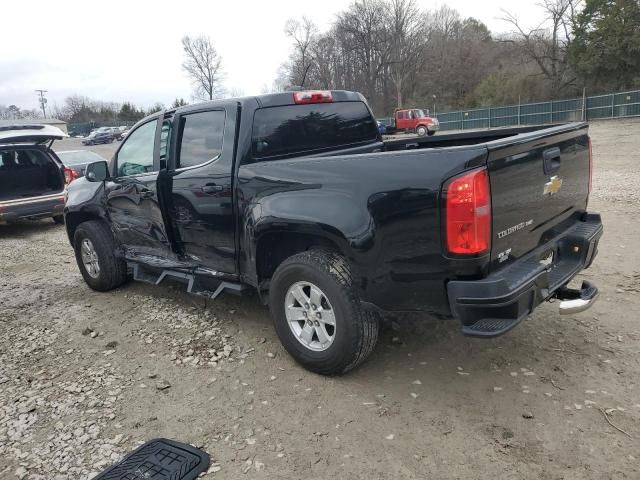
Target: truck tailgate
{"points": [[539, 188]]}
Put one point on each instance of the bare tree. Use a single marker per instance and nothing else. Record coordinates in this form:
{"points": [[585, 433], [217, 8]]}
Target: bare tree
{"points": [[74, 104], [280, 83], [303, 34], [548, 43], [235, 92], [363, 30], [408, 37], [458, 54], [12, 112], [203, 65], [398, 55]]}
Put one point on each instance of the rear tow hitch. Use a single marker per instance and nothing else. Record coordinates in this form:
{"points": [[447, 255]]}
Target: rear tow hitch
{"points": [[576, 300]]}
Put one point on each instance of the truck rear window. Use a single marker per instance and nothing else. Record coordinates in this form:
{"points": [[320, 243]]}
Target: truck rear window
{"points": [[296, 129]]}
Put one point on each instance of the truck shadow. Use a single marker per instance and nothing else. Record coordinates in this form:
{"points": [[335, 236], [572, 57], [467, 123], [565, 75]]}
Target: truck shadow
{"points": [[423, 354], [419, 347]]}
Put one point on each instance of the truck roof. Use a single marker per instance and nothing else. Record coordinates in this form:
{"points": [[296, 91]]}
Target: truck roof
{"points": [[262, 101]]}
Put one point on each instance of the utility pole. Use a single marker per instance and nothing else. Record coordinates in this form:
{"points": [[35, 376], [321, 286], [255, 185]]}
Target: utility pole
{"points": [[43, 102]]}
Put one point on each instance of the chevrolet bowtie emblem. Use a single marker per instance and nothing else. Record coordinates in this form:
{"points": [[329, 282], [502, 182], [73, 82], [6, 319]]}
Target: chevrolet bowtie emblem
{"points": [[553, 185]]}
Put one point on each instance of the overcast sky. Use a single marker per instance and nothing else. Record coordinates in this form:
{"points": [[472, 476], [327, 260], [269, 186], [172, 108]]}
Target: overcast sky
{"points": [[129, 50]]}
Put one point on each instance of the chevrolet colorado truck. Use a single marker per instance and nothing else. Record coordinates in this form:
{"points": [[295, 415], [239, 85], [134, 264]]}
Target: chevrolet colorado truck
{"points": [[296, 196]]}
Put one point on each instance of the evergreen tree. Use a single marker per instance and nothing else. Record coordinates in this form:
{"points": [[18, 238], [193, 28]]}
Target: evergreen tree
{"points": [[606, 48]]}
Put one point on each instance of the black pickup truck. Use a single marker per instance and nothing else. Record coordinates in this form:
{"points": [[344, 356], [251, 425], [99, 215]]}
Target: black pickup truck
{"points": [[296, 195]]}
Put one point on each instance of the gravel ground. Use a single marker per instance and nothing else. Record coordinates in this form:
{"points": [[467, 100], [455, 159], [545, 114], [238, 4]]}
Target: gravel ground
{"points": [[85, 377]]}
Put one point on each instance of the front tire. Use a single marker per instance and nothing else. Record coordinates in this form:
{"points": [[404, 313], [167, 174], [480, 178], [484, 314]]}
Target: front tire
{"points": [[95, 251], [421, 131], [318, 315]]}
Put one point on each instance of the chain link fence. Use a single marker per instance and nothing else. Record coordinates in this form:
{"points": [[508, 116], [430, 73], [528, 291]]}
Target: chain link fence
{"points": [[612, 105]]}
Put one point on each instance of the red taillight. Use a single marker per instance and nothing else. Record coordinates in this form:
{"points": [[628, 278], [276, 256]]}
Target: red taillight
{"points": [[312, 96], [69, 175], [590, 164], [468, 213]]}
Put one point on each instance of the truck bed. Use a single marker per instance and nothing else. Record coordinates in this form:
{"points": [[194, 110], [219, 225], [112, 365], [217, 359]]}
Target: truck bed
{"points": [[459, 138]]}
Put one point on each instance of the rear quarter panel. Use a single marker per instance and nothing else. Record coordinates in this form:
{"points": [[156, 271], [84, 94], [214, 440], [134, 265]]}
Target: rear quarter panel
{"points": [[380, 209]]}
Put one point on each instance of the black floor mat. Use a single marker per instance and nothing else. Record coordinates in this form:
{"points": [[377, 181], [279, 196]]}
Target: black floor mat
{"points": [[159, 459]]}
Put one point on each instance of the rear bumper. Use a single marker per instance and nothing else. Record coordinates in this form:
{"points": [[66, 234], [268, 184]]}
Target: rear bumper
{"points": [[35, 207], [494, 305]]}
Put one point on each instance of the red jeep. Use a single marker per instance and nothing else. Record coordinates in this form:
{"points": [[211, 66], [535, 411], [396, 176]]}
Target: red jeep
{"points": [[415, 120]]}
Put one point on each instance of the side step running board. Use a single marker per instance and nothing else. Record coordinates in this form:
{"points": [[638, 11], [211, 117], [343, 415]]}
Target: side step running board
{"points": [[193, 284]]}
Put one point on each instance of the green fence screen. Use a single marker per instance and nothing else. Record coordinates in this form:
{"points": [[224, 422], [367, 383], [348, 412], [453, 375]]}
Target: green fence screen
{"points": [[612, 105]]}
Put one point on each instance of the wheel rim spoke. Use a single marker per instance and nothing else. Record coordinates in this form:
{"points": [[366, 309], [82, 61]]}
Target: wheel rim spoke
{"points": [[321, 333], [299, 294], [297, 313], [316, 296], [328, 317], [307, 334]]}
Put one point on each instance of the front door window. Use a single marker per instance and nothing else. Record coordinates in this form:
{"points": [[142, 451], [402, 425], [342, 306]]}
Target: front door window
{"points": [[136, 154]]}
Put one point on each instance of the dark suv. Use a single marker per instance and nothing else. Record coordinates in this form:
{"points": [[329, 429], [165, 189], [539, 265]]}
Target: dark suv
{"points": [[98, 137]]}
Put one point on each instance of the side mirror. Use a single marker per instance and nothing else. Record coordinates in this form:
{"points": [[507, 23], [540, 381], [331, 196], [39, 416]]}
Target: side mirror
{"points": [[97, 171]]}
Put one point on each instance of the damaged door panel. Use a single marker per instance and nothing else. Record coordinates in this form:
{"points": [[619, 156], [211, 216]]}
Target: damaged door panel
{"points": [[132, 195]]}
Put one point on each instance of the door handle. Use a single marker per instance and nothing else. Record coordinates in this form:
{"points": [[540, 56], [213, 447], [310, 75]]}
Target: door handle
{"points": [[211, 188], [551, 160]]}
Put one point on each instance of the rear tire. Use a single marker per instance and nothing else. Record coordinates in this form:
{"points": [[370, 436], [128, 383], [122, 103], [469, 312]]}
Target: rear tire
{"points": [[94, 244], [59, 219], [355, 330]]}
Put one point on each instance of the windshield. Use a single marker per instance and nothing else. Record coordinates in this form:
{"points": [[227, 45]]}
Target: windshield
{"points": [[78, 158], [419, 114]]}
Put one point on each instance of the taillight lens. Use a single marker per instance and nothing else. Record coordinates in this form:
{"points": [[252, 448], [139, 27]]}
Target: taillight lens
{"points": [[468, 213], [590, 164], [69, 175], [312, 96]]}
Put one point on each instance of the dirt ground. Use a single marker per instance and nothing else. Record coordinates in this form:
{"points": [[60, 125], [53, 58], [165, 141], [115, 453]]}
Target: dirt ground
{"points": [[85, 377]]}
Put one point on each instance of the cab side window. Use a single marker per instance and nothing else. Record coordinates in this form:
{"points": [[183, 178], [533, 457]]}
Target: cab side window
{"points": [[136, 154], [200, 137]]}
